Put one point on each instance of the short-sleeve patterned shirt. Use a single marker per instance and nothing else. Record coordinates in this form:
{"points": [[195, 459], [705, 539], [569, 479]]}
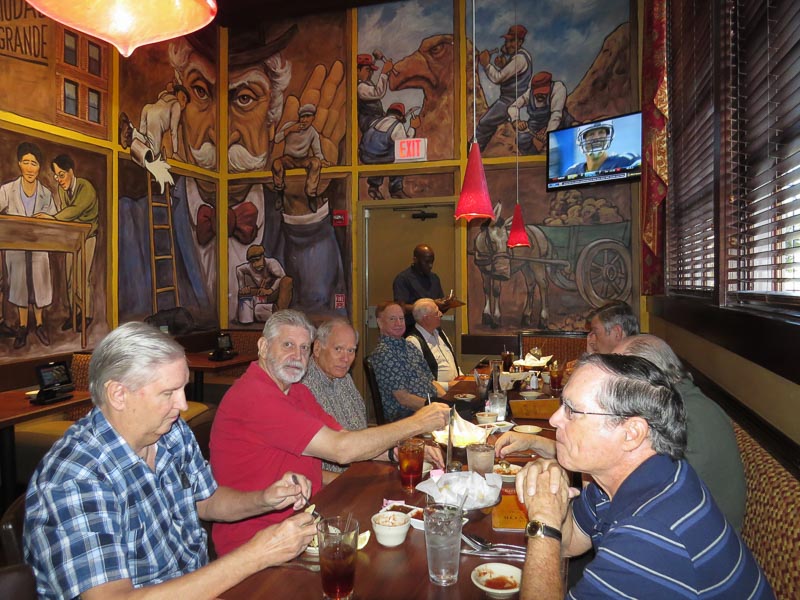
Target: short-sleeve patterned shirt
{"points": [[340, 399], [400, 366], [95, 512]]}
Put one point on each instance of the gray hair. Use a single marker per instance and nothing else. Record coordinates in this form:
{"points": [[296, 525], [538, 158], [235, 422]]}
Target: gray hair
{"points": [[324, 331], [658, 352], [287, 318], [422, 308], [616, 313], [635, 387], [129, 354]]}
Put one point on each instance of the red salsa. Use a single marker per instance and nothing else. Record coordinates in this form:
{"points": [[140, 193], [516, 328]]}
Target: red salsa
{"points": [[500, 583]]}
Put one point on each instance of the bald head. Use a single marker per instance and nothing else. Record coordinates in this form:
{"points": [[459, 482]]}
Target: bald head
{"points": [[657, 351], [423, 259]]}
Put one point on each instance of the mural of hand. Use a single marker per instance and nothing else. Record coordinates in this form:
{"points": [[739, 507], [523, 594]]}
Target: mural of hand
{"points": [[327, 90]]}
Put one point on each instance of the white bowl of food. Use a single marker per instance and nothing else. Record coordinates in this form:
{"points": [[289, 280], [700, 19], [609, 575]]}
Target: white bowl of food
{"points": [[507, 472], [485, 417], [531, 395], [498, 580], [503, 426], [390, 527]]}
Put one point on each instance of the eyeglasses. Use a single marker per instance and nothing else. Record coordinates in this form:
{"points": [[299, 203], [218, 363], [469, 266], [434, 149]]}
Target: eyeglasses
{"points": [[569, 411], [60, 176]]}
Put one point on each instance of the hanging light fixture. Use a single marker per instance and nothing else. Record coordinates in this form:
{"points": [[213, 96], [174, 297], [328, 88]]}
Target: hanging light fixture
{"points": [[474, 201], [128, 24], [517, 236]]}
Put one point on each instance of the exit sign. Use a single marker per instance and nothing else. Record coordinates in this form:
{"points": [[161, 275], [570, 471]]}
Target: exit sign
{"points": [[411, 150]]}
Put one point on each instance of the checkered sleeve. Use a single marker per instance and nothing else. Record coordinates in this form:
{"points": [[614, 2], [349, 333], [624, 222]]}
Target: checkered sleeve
{"points": [[76, 540]]}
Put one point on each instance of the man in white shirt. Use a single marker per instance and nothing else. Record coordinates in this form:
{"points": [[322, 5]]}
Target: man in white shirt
{"points": [[428, 337]]}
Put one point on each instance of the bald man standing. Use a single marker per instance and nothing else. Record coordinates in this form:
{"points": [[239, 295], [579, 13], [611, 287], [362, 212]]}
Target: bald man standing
{"points": [[419, 281]]}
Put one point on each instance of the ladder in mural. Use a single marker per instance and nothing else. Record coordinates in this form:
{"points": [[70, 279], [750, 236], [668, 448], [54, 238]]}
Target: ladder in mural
{"points": [[162, 248]]}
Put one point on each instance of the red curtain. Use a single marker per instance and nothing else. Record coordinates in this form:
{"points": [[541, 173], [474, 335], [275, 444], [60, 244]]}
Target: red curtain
{"points": [[654, 132]]}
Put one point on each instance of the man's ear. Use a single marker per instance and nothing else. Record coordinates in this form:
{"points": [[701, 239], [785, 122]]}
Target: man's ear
{"points": [[262, 347], [637, 431], [617, 332], [116, 395]]}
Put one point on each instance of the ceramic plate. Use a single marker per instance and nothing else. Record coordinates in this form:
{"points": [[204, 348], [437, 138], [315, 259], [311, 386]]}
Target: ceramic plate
{"points": [[465, 397], [527, 429]]}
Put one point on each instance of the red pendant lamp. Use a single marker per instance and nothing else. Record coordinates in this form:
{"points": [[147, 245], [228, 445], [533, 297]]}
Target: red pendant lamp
{"points": [[474, 201], [518, 236], [128, 24]]}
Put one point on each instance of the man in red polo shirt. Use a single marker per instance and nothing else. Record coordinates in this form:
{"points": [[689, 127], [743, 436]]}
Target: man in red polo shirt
{"points": [[268, 423]]}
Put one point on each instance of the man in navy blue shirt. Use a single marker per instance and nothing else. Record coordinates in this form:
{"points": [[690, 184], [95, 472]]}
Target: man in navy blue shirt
{"points": [[656, 530]]}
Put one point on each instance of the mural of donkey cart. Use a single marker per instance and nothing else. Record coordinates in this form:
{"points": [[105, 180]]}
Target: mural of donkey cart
{"points": [[593, 260]]}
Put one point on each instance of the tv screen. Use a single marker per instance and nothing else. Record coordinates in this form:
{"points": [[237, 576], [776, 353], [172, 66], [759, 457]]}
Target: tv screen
{"points": [[596, 152], [53, 374]]}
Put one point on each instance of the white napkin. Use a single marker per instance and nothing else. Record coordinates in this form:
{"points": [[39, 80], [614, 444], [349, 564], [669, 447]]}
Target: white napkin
{"points": [[464, 433], [450, 488], [533, 362]]}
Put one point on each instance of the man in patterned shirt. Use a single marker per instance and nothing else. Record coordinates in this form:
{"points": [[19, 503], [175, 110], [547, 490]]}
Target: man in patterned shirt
{"points": [[655, 528], [404, 378], [116, 503]]}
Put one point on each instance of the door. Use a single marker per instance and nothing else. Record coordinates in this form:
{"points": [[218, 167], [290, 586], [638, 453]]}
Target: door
{"points": [[391, 233]]}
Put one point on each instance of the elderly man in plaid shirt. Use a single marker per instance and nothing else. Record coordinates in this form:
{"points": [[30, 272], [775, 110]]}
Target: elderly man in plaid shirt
{"points": [[116, 504]]}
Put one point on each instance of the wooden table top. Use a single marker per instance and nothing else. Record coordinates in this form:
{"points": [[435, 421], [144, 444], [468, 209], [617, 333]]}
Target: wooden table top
{"points": [[200, 361], [15, 406], [387, 573]]}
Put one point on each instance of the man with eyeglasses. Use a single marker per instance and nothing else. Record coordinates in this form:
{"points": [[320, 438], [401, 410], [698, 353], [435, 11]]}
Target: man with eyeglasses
{"points": [[652, 522], [427, 337]]}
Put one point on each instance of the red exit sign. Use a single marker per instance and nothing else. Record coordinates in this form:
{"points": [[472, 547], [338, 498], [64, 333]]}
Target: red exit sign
{"points": [[410, 150]]}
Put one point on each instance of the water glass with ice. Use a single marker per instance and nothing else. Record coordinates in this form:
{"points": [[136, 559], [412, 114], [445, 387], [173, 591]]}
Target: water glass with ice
{"points": [[443, 542]]}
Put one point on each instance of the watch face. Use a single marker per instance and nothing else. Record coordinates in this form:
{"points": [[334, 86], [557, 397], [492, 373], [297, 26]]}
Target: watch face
{"points": [[536, 529]]}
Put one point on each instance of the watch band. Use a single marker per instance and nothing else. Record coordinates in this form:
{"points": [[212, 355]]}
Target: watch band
{"points": [[391, 456], [537, 529]]}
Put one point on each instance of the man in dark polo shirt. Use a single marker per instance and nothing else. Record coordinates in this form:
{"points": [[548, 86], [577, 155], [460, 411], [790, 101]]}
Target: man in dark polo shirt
{"points": [[419, 281], [654, 525]]}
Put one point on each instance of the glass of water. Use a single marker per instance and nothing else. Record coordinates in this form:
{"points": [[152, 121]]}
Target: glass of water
{"points": [[443, 542], [497, 404]]}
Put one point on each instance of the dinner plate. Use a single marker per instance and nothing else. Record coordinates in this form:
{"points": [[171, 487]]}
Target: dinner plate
{"points": [[465, 397], [527, 429], [509, 474]]}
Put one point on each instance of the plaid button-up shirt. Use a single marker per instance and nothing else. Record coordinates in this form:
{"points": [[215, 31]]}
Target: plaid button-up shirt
{"points": [[95, 512]]}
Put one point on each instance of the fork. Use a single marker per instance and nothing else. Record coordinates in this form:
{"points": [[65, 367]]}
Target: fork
{"points": [[314, 512], [481, 544]]}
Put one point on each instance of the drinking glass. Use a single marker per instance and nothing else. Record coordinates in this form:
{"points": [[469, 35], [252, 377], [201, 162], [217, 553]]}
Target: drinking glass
{"points": [[480, 458], [411, 455], [508, 360], [556, 373], [483, 386], [497, 404], [443, 542], [338, 543]]}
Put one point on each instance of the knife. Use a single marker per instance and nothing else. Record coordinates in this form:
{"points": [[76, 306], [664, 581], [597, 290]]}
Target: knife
{"points": [[495, 554]]}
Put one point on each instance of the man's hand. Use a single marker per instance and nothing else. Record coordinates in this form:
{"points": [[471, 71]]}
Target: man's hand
{"points": [[246, 291], [387, 67], [484, 58], [282, 542], [285, 492], [543, 486], [263, 292], [415, 121], [433, 454], [511, 442], [521, 125], [433, 416], [500, 61]]}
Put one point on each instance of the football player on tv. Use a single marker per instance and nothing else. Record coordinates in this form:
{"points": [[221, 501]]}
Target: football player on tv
{"points": [[595, 140]]}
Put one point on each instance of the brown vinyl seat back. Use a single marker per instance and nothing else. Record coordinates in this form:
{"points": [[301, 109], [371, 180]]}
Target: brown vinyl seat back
{"points": [[374, 391], [244, 341], [565, 346], [772, 516], [17, 582], [200, 425], [80, 377], [11, 532]]}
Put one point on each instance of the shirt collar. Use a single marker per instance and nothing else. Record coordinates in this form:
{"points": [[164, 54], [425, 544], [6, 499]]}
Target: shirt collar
{"points": [[431, 338]]}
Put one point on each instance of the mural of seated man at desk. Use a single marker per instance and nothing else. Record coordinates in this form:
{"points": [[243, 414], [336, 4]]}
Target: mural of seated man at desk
{"points": [[264, 287], [27, 197]]}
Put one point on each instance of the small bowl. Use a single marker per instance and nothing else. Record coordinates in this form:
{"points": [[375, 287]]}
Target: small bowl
{"points": [[390, 527], [497, 573], [485, 417], [527, 429], [509, 474], [531, 395]]}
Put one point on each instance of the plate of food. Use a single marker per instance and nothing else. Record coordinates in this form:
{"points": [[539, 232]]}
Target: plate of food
{"points": [[464, 397], [507, 471]]}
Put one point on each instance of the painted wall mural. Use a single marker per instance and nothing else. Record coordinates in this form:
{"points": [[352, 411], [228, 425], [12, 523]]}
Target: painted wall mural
{"points": [[53, 216], [287, 112]]}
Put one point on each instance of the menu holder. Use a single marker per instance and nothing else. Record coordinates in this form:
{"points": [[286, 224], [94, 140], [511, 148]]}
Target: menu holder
{"points": [[541, 408], [508, 516]]}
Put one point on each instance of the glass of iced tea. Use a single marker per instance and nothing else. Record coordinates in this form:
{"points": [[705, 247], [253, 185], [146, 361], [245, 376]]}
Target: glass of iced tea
{"points": [[338, 543], [556, 374], [411, 455]]}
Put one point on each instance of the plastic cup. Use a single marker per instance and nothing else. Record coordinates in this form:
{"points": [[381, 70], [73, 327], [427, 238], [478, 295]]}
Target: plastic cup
{"points": [[443, 542], [411, 455], [480, 458], [338, 544]]}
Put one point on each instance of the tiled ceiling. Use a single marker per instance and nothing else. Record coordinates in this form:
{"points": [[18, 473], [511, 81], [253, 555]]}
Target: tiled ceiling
{"points": [[241, 13]]}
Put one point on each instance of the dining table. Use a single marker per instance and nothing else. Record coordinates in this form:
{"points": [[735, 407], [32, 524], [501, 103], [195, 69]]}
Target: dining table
{"points": [[398, 573], [202, 362]]}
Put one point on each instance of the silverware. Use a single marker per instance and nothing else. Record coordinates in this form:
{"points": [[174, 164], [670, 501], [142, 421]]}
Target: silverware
{"points": [[495, 554], [450, 438], [306, 499], [303, 565], [480, 543]]}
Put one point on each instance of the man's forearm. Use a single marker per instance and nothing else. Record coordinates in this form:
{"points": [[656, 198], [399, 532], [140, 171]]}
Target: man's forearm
{"points": [[365, 444], [408, 399], [541, 575], [228, 504]]}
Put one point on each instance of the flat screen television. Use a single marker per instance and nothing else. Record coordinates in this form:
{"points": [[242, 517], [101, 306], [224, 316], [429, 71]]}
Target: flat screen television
{"points": [[596, 152]]}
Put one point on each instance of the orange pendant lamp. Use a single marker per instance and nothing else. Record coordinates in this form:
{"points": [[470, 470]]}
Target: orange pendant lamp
{"points": [[518, 236], [128, 24], [474, 201]]}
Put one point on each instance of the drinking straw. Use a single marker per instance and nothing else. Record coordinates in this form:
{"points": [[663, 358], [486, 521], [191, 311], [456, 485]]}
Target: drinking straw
{"points": [[347, 523], [463, 501]]}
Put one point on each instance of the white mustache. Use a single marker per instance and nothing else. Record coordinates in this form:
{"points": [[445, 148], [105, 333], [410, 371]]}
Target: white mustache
{"points": [[240, 159], [205, 156]]}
